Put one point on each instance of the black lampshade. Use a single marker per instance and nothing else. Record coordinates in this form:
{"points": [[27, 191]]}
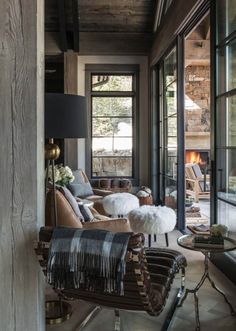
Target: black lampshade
{"points": [[65, 116]]}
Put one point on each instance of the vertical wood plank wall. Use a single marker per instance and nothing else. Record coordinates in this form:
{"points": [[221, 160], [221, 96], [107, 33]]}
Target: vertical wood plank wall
{"points": [[21, 163]]}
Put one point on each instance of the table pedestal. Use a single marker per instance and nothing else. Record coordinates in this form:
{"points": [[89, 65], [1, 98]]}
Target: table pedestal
{"points": [[205, 276]]}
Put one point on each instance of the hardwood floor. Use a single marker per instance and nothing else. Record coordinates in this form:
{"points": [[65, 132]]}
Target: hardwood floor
{"points": [[214, 312]]}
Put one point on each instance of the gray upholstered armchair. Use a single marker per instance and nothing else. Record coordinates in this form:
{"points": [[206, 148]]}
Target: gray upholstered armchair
{"points": [[82, 189]]}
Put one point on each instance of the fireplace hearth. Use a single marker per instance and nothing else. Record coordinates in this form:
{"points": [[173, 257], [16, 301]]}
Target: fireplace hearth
{"points": [[200, 157]]}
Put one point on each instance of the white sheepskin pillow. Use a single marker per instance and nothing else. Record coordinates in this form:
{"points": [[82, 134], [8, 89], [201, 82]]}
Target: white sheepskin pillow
{"points": [[120, 203], [152, 219]]}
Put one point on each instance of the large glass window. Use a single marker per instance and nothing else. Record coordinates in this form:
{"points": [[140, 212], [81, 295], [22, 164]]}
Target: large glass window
{"points": [[168, 129], [226, 113], [113, 123]]}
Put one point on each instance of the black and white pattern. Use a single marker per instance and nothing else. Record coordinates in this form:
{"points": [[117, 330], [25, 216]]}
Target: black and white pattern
{"points": [[89, 259]]}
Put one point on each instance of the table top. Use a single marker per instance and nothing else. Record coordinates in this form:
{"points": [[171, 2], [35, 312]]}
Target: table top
{"points": [[186, 241], [88, 203]]}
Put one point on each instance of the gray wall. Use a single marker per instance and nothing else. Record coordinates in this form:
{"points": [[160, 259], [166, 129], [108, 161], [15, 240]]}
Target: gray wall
{"points": [[21, 163]]}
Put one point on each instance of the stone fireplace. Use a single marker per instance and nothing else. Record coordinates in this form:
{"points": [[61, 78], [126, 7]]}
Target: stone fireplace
{"points": [[200, 157], [197, 115]]}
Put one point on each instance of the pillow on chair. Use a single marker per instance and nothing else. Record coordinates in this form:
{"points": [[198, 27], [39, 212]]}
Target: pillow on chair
{"points": [[81, 186], [86, 212], [72, 201]]}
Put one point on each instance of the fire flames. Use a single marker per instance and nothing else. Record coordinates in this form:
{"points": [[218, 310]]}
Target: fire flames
{"points": [[194, 157]]}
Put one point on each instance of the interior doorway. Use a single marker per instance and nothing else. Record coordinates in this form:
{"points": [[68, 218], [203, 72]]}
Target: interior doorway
{"points": [[197, 124]]}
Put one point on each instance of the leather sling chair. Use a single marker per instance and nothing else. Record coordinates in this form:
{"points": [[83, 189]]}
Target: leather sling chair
{"points": [[147, 283]]}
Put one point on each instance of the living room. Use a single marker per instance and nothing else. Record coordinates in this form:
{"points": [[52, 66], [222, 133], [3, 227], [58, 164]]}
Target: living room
{"points": [[137, 73]]}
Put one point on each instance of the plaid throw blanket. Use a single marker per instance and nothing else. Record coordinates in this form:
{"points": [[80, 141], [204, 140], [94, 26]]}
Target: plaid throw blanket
{"points": [[90, 259]]}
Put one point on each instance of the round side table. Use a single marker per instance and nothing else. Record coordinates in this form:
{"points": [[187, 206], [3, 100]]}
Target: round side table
{"points": [[87, 202], [187, 241]]}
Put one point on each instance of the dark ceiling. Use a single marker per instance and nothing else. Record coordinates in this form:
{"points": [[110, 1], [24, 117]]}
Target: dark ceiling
{"points": [[103, 15]]}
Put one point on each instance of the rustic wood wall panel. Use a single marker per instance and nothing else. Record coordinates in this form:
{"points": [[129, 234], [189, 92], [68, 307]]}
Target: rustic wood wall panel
{"points": [[21, 163]]}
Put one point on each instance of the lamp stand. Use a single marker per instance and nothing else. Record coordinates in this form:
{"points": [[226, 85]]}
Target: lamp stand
{"points": [[57, 311], [52, 152]]}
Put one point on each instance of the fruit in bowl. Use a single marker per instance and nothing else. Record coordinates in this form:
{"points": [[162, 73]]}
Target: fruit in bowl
{"points": [[218, 230]]}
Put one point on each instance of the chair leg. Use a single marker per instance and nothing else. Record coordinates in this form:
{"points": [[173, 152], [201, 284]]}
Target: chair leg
{"points": [[167, 240], [117, 320], [149, 240], [155, 238], [94, 311], [176, 302]]}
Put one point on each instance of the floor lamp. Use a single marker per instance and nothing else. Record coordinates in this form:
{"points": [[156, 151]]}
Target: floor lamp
{"points": [[65, 117]]}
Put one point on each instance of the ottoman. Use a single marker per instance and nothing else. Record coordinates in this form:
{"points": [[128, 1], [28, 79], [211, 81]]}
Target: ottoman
{"points": [[120, 204], [153, 220]]}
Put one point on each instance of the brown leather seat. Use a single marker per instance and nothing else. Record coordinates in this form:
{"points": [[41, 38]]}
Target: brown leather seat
{"points": [[148, 279], [66, 216]]}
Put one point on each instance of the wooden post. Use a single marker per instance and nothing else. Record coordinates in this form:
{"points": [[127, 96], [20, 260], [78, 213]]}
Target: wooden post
{"points": [[21, 163], [74, 148], [70, 87]]}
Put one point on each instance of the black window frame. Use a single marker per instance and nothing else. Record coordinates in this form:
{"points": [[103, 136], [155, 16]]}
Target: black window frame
{"points": [[114, 69]]}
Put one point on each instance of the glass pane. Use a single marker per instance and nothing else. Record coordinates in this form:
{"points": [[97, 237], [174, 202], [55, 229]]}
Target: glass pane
{"points": [[170, 193], [170, 68], [226, 18], [172, 132], [111, 166], [123, 146], [227, 68], [112, 146], [227, 216], [112, 83], [170, 164], [114, 106], [107, 126], [226, 174], [171, 99], [226, 120]]}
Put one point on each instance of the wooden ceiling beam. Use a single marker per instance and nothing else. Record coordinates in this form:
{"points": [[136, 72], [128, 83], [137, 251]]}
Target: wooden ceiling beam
{"points": [[76, 21], [104, 43], [158, 14], [62, 25]]}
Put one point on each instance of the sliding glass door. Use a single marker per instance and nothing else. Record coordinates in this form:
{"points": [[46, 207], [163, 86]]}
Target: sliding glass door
{"points": [[170, 130], [225, 116], [168, 152]]}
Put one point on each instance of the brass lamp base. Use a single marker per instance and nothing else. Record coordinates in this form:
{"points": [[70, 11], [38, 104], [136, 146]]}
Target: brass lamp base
{"points": [[52, 151], [57, 311]]}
